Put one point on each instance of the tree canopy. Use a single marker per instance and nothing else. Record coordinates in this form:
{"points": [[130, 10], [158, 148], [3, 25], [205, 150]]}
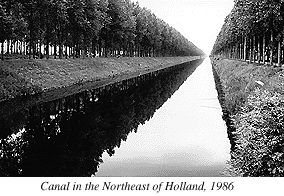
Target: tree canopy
{"points": [[249, 18], [83, 27]]}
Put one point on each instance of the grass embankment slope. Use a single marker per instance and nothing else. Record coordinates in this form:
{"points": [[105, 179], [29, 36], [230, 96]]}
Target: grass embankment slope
{"points": [[253, 97], [27, 77]]}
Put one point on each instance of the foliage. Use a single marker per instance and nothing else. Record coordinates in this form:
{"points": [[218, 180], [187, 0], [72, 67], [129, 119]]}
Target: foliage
{"points": [[5, 25], [260, 136], [248, 18], [11, 152], [106, 27]]}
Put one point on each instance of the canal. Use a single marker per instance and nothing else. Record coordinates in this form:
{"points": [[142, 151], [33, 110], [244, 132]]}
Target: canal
{"points": [[185, 137], [167, 123]]}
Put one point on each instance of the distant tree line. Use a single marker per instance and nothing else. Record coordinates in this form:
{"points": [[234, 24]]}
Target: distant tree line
{"points": [[253, 31], [80, 28]]}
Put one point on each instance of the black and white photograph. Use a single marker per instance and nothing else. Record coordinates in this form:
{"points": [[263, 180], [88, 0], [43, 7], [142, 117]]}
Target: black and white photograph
{"points": [[142, 96]]}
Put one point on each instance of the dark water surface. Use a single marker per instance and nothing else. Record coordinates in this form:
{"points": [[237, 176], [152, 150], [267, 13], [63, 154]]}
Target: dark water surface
{"points": [[162, 124]]}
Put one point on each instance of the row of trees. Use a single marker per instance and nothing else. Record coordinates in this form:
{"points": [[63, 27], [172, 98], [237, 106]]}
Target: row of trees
{"points": [[78, 28], [253, 31]]}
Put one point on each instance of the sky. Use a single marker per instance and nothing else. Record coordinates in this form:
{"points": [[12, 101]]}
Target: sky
{"points": [[198, 20]]}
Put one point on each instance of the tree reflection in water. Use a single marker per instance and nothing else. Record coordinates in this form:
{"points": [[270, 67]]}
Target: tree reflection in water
{"points": [[67, 137]]}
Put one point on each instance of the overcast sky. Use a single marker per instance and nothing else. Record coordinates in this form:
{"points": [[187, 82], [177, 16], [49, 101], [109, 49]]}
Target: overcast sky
{"points": [[198, 20]]}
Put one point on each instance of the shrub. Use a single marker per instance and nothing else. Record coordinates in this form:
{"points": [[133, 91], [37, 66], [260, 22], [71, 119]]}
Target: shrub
{"points": [[260, 136], [11, 150]]}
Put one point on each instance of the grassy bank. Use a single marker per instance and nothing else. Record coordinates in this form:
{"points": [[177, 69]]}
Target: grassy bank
{"points": [[252, 97], [27, 77]]}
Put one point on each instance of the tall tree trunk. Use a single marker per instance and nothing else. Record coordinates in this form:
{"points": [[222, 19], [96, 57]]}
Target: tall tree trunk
{"points": [[100, 48], [60, 50], [55, 50], [60, 41], [2, 50], [253, 49], [239, 51], [8, 47], [263, 49], [21, 47], [271, 49], [258, 50], [30, 45], [12, 47], [16, 47], [245, 47], [66, 51], [47, 49], [24, 47], [70, 51], [250, 50], [30, 49], [84, 52], [41, 54], [31, 29], [94, 43], [47, 41], [74, 50], [279, 54]]}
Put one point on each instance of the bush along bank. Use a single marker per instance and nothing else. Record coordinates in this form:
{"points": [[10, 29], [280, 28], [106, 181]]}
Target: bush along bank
{"points": [[252, 98]]}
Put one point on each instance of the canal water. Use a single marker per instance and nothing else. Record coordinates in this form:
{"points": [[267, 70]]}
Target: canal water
{"points": [[185, 137], [167, 123]]}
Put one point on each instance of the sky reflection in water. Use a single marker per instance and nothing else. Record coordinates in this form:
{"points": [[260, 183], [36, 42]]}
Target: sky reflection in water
{"points": [[184, 136]]}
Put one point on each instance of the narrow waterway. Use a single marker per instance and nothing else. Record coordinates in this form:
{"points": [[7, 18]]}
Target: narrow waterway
{"points": [[185, 137], [164, 123]]}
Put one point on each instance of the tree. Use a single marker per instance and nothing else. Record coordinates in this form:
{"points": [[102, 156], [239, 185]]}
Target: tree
{"points": [[256, 25], [6, 25], [83, 27]]}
